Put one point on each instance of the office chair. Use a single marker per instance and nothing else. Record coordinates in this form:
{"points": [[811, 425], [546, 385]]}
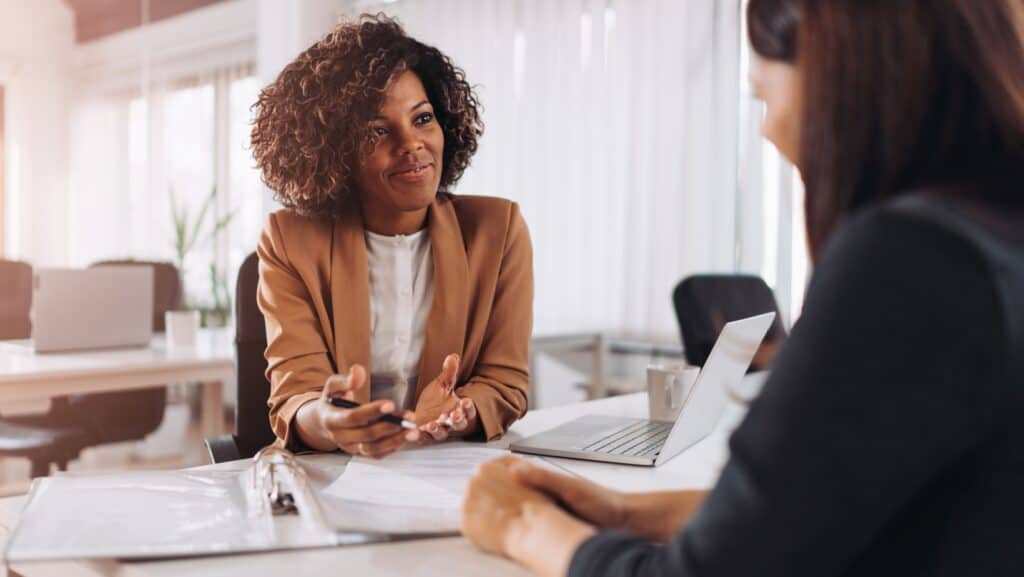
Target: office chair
{"points": [[704, 303], [41, 445], [16, 301], [120, 416], [252, 415]]}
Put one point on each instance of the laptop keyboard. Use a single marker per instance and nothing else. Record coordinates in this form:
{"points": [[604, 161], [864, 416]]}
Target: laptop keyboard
{"points": [[642, 439]]}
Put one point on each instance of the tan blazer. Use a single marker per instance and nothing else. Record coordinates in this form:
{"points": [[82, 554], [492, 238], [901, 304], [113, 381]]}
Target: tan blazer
{"points": [[314, 292]]}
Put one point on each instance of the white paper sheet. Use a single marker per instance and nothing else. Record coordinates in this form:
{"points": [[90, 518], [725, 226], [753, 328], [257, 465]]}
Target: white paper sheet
{"points": [[414, 491], [425, 478]]}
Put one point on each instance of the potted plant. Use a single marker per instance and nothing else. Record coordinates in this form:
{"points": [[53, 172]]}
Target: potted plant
{"points": [[191, 231]]}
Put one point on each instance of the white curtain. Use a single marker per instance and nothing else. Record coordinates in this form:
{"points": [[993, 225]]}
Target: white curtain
{"points": [[132, 151], [613, 124]]}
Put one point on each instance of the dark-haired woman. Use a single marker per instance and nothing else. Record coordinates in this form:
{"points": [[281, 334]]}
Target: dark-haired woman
{"points": [[377, 284], [888, 439]]}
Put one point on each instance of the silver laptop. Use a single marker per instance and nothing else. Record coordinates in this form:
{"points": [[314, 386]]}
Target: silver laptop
{"points": [[652, 443], [94, 308]]}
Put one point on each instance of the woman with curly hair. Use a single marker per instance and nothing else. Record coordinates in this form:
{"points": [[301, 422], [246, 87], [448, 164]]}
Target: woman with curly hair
{"points": [[378, 285]]}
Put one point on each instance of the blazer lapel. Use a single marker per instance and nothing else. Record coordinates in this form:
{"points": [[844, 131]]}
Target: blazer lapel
{"points": [[350, 295], [446, 325]]}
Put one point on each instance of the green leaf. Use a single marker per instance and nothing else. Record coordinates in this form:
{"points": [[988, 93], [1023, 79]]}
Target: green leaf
{"points": [[189, 232], [220, 225], [197, 225]]}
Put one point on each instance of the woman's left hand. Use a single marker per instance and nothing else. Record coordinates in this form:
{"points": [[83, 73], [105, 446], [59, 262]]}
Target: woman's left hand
{"points": [[442, 413], [502, 516]]}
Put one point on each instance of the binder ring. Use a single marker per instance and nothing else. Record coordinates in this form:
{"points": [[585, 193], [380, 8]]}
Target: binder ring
{"points": [[266, 483]]}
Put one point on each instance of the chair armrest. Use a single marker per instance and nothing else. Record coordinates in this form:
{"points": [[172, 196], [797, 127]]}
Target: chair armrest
{"points": [[223, 448]]}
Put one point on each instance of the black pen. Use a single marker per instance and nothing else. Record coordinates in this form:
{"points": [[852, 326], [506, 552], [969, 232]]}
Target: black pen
{"points": [[393, 419]]}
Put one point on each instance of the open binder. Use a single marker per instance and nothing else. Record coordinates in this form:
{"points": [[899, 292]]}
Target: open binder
{"points": [[278, 502]]}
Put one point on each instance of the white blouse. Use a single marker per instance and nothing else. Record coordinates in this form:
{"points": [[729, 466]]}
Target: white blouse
{"points": [[401, 296]]}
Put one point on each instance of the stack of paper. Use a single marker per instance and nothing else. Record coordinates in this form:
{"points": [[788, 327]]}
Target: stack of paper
{"points": [[412, 491]]}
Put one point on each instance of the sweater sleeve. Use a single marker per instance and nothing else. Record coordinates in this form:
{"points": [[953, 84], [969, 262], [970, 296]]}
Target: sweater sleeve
{"points": [[890, 377]]}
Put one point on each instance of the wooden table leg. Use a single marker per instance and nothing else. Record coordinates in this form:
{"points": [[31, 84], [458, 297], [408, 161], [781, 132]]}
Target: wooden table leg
{"points": [[212, 409]]}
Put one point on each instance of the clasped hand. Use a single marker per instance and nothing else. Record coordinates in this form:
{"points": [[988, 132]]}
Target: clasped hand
{"points": [[533, 515]]}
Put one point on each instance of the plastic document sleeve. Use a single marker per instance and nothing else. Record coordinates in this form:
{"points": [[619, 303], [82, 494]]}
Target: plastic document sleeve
{"points": [[271, 505]]}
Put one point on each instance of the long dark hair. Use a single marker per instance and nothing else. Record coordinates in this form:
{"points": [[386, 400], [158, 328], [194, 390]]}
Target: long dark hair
{"points": [[898, 95], [772, 26]]}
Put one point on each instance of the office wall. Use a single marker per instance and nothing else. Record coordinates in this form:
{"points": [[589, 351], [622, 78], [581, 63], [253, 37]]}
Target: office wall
{"points": [[35, 49], [2, 155], [288, 28]]}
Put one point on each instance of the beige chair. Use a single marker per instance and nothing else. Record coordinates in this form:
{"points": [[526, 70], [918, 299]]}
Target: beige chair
{"points": [[125, 415], [16, 301], [122, 415], [42, 445]]}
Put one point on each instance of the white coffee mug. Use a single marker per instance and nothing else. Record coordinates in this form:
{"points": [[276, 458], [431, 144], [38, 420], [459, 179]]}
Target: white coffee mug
{"points": [[667, 389], [181, 327]]}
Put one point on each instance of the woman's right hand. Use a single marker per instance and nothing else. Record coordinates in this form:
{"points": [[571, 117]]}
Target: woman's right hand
{"points": [[358, 431], [589, 501]]}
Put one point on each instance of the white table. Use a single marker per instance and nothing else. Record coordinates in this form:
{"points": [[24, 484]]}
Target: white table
{"points": [[697, 467], [28, 379]]}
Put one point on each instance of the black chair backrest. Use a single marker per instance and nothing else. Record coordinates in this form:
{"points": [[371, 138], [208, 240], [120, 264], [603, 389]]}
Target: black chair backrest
{"points": [[15, 299], [704, 303], [253, 414]]}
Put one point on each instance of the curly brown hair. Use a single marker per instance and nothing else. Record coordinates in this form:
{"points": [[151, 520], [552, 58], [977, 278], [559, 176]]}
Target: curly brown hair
{"points": [[312, 122]]}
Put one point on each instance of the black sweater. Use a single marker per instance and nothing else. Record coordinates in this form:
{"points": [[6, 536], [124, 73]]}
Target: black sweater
{"points": [[889, 438]]}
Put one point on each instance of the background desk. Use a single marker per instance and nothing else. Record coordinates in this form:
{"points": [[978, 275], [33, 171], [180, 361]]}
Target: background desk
{"points": [[27, 378], [452, 557]]}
